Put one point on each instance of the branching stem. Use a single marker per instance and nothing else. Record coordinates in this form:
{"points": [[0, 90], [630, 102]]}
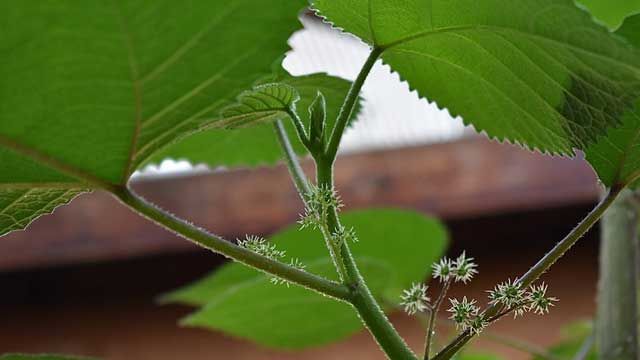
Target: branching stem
{"points": [[433, 316], [493, 312], [230, 250]]}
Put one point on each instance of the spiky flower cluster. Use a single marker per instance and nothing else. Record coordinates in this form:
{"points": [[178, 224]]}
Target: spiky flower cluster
{"points": [[511, 295], [465, 314], [464, 269], [294, 262], [261, 246], [415, 299], [319, 200], [343, 234], [539, 303], [461, 269], [443, 269]]}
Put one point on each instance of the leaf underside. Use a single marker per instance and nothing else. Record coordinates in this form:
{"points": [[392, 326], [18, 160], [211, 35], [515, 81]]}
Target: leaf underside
{"points": [[616, 157], [293, 317], [539, 73], [93, 89]]}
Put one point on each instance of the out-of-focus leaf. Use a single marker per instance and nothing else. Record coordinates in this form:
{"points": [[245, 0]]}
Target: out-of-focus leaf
{"points": [[396, 249]]}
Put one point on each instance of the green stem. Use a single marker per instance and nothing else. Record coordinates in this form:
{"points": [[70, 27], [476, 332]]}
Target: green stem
{"points": [[297, 174], [349, 104], [539, 268], [433, 317], [617, 315], [361, 298], [230, 250], [363, 301]]}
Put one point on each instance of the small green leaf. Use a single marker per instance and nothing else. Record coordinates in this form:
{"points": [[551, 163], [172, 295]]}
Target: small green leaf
{"points": [[396, 249], [318, 116], [257, 145], [40, 357], [616, 157], [263, 103], [539, 73]]}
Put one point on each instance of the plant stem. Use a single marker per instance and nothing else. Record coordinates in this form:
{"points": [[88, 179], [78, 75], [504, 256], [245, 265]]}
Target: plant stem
{"points": [[433, 317], [297, 174], [365, 304], [540, 267], [230, 250], [349, 104], [617, 315]]}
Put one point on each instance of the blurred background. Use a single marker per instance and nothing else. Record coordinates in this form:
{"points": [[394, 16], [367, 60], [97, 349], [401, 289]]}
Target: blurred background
{"points": [[84, 280]]}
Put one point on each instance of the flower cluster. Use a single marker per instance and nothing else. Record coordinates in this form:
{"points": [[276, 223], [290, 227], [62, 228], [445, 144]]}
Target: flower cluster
{"points": [[511, 295], [318, 202], [539, 303], [461, 269], [343, 234], [465, 314], [261, 246], [415, 299]]}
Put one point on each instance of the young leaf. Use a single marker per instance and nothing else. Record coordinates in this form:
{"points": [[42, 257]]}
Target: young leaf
{"points": [[259, 145], [293, 317], [264, 103], [616, 157], [90, 90], [538, 73]]}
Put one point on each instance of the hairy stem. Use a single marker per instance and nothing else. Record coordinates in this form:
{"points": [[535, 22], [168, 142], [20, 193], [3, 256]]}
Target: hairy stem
{"points": [[349, 104], [297, 174], [365, 304], [361, 298], [230, 250], [539, 268], [433, 316]]}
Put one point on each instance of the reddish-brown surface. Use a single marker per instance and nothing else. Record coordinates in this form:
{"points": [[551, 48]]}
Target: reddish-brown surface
{"points": [[534, 201], [454, 181], [141, 330]]}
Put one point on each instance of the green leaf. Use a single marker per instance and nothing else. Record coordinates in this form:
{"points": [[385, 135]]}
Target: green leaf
{"points": [[257, 145], [19, 207], [616, 157], [263, 103], [539, 73], [476, 356], [573, 338], [91, 89], [396, 249], [40, 357], [611, 12]]}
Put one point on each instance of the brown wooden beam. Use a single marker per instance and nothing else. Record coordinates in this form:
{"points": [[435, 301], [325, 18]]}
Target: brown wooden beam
{"points": [[459, 180]]}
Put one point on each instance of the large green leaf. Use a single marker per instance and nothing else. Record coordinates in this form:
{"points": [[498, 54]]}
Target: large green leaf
{"points": [[616, 157], [396, 249], [257, 145], [536, 72], [91, 89], [611, 12]]}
